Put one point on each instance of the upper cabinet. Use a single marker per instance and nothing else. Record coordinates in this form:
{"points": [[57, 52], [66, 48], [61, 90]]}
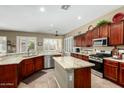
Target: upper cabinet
{"points": [[116, 34], [78, 41], [104, 30], [95, 33], [88, 38], [83, 40]]}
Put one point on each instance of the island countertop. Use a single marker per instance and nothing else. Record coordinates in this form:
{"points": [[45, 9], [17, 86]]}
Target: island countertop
{"points": [[68, 62], [16, 59]]}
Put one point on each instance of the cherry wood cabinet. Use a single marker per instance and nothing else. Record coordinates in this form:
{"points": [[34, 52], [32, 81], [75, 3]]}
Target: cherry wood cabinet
{"points": [[104, 30], [74, 55], [88, 38], [27, 67], [80, 56], [121, 74], [82, 78], [83, 44], [111, 70], [38, 63], [86, 58], [31, 65], [83, 57], [95, 33], [11, 75], [116, 34], [78, 41], [8, 76]]}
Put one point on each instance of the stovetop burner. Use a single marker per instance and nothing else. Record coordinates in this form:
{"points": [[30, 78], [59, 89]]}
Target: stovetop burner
{"points": [[98, 57], [101, 55]]}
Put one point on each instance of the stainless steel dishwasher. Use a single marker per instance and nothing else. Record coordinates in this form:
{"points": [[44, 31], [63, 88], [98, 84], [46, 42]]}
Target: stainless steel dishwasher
{"points": [[49, 62]]}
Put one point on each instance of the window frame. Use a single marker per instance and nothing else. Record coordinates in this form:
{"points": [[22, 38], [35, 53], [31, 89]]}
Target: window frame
{"points": [[5, 45], [18, 47], [52, 39]]}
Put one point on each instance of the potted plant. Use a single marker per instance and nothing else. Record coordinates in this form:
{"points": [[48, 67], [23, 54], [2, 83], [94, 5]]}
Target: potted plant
{"points": [[102, 22]]}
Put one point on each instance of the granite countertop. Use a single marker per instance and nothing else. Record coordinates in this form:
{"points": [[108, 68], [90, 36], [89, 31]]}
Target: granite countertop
{"points": [[112, 59], [68, 62], [16, 59]]}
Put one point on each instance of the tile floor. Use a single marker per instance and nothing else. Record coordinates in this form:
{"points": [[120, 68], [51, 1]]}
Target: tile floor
{"points": [[45, 79]]}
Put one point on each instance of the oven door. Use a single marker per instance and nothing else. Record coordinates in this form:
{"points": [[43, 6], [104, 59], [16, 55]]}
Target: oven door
{"points": [[98, 66]]}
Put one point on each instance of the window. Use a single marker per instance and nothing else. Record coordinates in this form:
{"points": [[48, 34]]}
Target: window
{"points": [[68, 44], [3, 45], [52, 44], [24, 43]]}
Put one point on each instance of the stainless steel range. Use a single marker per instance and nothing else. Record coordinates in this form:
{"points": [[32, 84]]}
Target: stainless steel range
{"points": [[97, 59]]}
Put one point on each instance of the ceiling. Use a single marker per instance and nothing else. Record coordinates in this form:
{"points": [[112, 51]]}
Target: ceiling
{"points": [[29, 18]]}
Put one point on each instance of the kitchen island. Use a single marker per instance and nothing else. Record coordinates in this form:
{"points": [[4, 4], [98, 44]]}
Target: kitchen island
{"points": [[14, 68], [71, 72]]}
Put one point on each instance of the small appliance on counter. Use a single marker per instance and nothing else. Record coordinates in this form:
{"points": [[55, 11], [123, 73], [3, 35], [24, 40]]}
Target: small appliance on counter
{"points": [[77, 49], [117, 53], [121, 52]]}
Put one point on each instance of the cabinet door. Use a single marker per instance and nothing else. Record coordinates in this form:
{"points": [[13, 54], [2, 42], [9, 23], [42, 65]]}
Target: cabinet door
{"points": [[83, 43], [86, 58], [27, 67], [80, 57], [78, 41], [104, 31], [111, 70], [8, 75], [116, 34], [89, 38], [76, 55], [121, 74], [38, 63], [95, 33]]}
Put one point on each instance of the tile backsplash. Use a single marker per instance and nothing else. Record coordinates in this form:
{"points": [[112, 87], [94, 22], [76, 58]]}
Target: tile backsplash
{"points": [[108, 48]]}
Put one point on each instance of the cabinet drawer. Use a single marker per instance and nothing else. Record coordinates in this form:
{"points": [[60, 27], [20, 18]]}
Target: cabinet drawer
{"points": [[111, 62], [80, 56], [122, 65]]}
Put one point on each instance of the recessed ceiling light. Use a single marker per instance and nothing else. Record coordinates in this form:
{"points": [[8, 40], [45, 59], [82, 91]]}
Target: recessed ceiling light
{"points": [[42, 9], [79, 18]]}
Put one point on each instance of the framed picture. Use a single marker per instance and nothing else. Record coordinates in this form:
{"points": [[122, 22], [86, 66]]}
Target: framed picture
{"points": [[40, 43]]}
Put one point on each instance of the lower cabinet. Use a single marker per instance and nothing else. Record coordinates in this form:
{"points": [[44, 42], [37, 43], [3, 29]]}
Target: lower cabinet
{"points": [[11, 75], [74, 55], [8, 76], [86, 58], [111, 70], [27, 67], [38, 63], [83, 57], [121, 74], [31, 65], [80, 56]]}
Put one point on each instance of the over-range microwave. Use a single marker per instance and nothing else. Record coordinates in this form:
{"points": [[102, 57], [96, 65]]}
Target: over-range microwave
{"points": [[100, 42]]}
